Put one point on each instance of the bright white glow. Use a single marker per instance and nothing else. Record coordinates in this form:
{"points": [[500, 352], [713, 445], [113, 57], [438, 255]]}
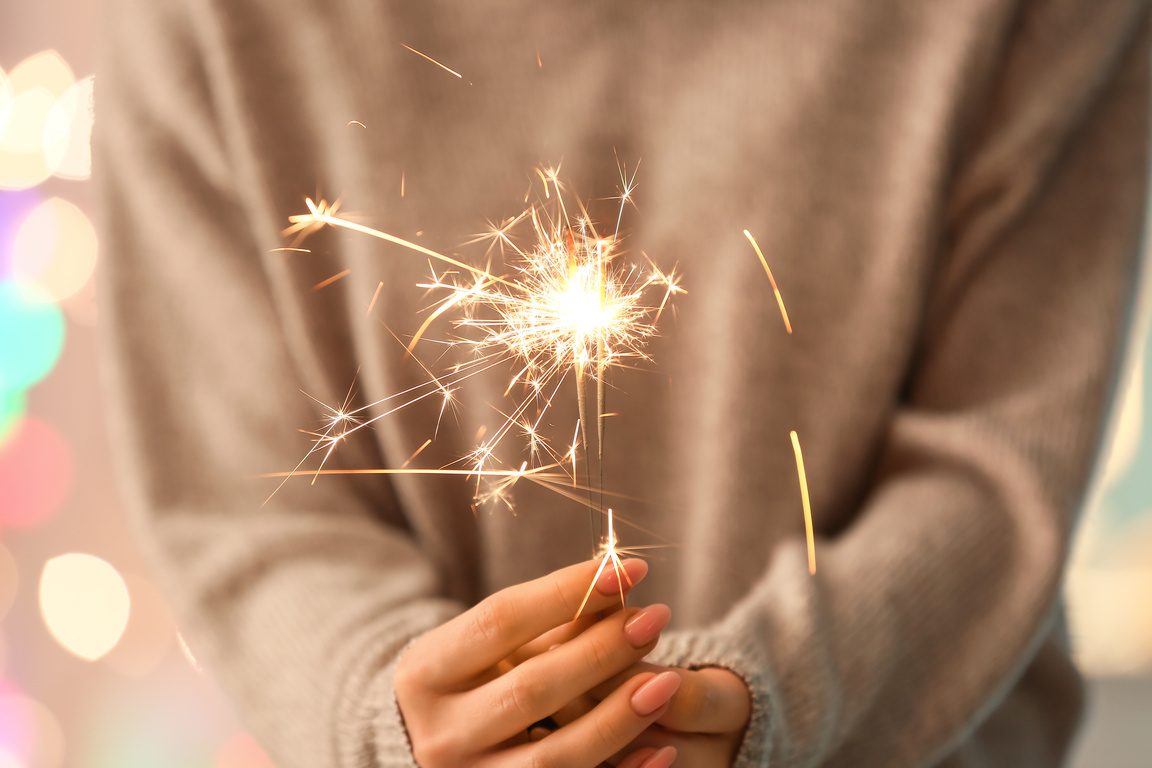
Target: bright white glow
{"points": [[68, 133], [30, 735], [54, 252], [1110, 612], [29, 95], [85, 604], [9, 760]]}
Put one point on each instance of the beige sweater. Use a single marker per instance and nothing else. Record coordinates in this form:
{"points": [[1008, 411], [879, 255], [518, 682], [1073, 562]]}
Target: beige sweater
{"points": [[950, 195]]}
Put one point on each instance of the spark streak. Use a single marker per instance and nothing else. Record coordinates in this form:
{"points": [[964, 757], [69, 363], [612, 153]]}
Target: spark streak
{"points": [[426, 56], [775, 288], [807, 505]]}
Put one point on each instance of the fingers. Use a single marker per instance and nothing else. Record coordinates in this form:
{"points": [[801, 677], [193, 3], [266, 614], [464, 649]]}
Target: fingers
{"points": [[607, 584], [544, 684], [649, 757], [710, 700], [598, 735], [512, 617]]}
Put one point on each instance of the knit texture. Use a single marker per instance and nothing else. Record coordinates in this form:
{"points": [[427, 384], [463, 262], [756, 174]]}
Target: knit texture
{"points": [[949, 193]]}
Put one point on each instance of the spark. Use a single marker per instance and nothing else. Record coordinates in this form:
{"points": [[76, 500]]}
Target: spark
{"points": [[426, 443], [429, 58], [775, 289], [375, 296], [356, 122], [608, 554], [807, 504], [327, 282], [297, 250], [566, 310]]}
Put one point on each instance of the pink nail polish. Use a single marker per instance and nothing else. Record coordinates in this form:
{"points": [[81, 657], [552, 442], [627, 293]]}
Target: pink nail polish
{"points": [[647, 625], [662, 759], [609, 582], [655, 693]]}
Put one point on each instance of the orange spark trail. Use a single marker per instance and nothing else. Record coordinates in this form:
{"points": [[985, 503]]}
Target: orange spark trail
{"points": [[329, 281], [775, 289], [375, 296], [426, 56], [807, 504], [427, 443]]}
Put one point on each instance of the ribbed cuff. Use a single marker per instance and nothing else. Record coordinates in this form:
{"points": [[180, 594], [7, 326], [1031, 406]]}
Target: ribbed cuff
{"points": [[695, 649]]}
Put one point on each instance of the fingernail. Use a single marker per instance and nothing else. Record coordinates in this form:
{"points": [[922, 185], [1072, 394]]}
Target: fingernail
{"points": [[655, 693], [647, 625], [661, 759], [609, 582]]}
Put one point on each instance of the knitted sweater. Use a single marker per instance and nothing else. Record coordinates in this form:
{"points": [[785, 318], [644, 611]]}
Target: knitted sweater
{"points": [[949, 194]]}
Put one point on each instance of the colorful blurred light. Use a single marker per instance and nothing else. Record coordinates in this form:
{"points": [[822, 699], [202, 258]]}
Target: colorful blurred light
{"points": [[29, 733], [14, 208], [9, 760], [85, 604], [13, 406], [68, 132], [8, 580], [33, 90], [33, 333], [54, 251], [242, 751], [35, 473]]}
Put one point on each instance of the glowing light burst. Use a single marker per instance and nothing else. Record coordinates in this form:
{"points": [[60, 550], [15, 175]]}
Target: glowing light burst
{"points": [[567, 307]]}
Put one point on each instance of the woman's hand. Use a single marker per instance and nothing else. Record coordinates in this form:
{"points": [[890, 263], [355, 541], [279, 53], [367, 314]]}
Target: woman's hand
{"points": [[470, 689], [704, 723]]}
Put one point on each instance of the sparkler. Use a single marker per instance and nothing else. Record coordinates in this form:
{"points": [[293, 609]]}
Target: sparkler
{"points": [[567, 307]]}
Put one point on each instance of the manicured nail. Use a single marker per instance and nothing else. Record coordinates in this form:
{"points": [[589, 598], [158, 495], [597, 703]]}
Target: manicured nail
{"points": [[647, 625], [655, 693], [661, 759], [609, 582]]}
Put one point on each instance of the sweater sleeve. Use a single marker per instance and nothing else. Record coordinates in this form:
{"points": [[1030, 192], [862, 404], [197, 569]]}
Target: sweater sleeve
{"points": [[298, 604], [926, 612]]}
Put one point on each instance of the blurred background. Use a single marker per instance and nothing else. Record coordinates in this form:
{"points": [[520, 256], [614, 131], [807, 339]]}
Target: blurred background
{"points": [[93, 673]]}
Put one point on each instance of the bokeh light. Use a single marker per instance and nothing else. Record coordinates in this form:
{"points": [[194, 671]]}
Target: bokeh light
{"points": [[35, 473], [54, 251], [13, 406], [29, 733], [33, 334], [68, 132], [34, 87], [14, 208], [9, 760], [85, 604], [242, 751], [8, 581]]}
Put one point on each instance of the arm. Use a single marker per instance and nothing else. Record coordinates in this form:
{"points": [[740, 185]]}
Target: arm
{"points": [[926, 611], [299, 605]]}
